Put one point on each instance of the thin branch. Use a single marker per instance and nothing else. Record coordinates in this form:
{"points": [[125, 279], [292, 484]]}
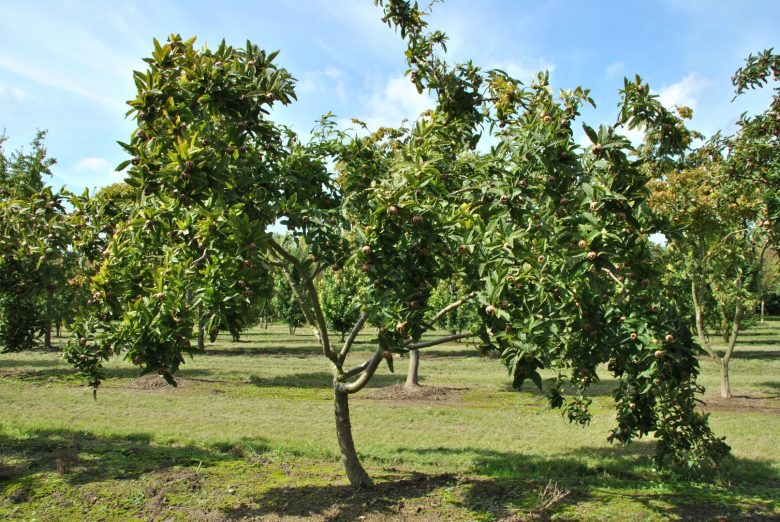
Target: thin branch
{"points": [[279, 249], [440, 340], [613, 276], [320, 317], [352, 336], [356, 370], [452, 306], [365, 375], [318, 320]]}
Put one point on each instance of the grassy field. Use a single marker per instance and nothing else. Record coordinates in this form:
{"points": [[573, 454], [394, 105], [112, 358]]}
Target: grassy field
{"points": [[249, 434]]}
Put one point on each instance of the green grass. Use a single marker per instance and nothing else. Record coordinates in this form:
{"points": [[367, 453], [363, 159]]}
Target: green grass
{"points": [[249, 433]]}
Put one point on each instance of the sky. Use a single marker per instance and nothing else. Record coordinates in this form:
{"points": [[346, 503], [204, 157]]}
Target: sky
{"points": [[66, 66]]}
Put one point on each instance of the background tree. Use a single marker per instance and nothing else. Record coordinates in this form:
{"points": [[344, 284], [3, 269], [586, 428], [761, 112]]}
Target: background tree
{"points": [[339, 294], [285, 304], [710, 218], [33, 247]]}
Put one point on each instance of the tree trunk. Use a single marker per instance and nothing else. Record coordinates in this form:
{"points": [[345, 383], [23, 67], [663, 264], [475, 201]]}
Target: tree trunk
{"points": [[201, 330], [412, 375], [47, 319], [355, 473], [763, 310], [700, 323], [725, 387]]}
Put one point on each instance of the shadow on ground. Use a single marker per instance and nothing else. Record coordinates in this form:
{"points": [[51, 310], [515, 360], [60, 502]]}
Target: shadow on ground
{"points": [[322, 380], [83, 457], [506, 485]]}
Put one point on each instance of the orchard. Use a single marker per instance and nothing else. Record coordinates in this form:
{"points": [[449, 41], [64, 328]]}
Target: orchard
{"points": [[491, 221]]}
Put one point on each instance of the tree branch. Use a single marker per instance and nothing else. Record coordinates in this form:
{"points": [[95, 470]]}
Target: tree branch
{"points": [[317, 321], [452, 306], [321, 324], [356, 370], [352, 336], [440, 340], [366, 374]]}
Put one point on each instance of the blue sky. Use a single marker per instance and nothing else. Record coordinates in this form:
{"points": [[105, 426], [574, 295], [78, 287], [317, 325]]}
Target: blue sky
{"points": [[67, 66]]}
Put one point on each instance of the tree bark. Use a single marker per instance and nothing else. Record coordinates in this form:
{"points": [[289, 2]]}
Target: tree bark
{"points": [[47, 319], [725, 387], [201, 330], [763, 310], [700, 323], [355, 473], [412, 375]]}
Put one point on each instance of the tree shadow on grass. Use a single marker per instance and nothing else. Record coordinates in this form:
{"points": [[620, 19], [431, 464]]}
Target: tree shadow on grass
{"points": [[504, 485], [81, 457], [69, 375], [322, 380], [516, 481], [342, 502]]}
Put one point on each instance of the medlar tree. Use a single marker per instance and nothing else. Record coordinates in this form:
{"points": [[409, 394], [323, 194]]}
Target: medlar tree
{"points": [[551, 241]]}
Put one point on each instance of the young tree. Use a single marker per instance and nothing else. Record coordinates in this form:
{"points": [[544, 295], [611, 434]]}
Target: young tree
{"points": [[710, 230], [553, 243], [286, 307], [339, 291]]}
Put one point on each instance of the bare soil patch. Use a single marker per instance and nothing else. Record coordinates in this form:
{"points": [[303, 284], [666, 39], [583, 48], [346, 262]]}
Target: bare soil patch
{"points": [[154, 382], [742, 403], [398, 393]]}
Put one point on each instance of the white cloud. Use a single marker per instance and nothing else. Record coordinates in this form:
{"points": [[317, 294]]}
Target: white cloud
{"points": [[685, 92], [93, 171], [11, 94], [92, 164], [524, 72], [59, 82], [330, 79], [395, 100]]}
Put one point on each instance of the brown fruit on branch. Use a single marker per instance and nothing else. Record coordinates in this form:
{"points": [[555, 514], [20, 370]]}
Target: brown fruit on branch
{"points": [[669, 338], [592, 255], [417, 219], [490, 310], [582, 243], [633, 336], [366, 250], [415, 304], [392, 210], [659, 354], [83, 341]]}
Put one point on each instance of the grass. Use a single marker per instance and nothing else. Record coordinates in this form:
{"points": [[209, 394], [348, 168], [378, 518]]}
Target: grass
{"points": [[249, 433]]}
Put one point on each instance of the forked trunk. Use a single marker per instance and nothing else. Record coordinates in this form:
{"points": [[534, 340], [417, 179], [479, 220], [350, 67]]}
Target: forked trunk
{"points": [[412, 375], [355, 473]]}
